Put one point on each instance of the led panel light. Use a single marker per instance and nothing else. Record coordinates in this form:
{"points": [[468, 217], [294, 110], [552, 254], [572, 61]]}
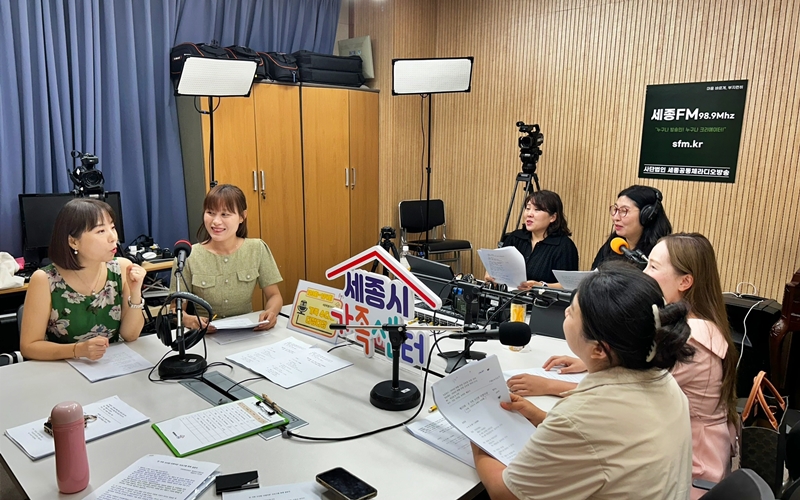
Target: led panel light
{"points": [[202, 76], [431, 76]]}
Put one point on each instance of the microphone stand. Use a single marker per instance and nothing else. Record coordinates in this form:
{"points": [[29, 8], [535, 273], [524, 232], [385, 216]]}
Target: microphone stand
{"points": [[183, 365]]}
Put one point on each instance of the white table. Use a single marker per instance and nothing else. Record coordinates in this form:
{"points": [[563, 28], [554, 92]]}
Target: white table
{"points": [[396, 463]]}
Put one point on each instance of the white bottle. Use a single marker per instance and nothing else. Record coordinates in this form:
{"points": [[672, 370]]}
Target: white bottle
{"points": [[403, 259]]}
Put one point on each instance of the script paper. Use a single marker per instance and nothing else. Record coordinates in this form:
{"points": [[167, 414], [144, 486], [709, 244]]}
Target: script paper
{"points": [[216, 425], [506, 265], [436, 431], [470, 400], [571, 279], [112, 413], [551, 374], [249, 320], [297, 491], [289, 362], [118, 360], [158, 476]]}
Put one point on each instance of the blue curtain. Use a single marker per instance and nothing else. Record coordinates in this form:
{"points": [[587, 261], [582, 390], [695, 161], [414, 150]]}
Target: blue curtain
{"points": [[93, 75]]}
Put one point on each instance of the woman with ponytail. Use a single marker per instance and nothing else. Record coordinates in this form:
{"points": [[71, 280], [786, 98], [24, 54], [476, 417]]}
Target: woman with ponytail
{"points": [[624, 431], [685, 268]]}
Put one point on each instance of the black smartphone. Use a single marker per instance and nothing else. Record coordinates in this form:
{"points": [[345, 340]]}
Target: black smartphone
{"points": [[346, 485]]}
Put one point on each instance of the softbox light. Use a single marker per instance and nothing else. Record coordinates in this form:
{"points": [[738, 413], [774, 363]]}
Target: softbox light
{"points": [[203, 76], [431, 76]]}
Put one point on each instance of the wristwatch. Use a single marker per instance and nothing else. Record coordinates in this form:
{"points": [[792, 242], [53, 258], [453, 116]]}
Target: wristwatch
{"points": [[544, 285], [135, 306]]}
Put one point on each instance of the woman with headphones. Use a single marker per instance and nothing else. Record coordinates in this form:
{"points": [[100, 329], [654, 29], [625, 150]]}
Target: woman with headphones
{"points": [[639, 217], [226, 266], [624, 431], [545, 242]]}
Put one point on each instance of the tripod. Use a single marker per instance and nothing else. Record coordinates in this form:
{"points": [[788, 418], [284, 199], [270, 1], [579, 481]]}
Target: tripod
{"points": [[385, 241], [525, 179]]}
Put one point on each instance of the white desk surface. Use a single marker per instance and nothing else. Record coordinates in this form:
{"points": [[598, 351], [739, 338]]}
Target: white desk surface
{"points": [[395, 462]]}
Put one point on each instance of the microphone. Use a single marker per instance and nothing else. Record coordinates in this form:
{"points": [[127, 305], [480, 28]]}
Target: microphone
{"points": [[509, 333], [181, 250], [620, 246]]}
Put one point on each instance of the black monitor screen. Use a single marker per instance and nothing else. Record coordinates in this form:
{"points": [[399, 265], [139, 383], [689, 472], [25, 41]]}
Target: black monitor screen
{"points": [[39, 212]]}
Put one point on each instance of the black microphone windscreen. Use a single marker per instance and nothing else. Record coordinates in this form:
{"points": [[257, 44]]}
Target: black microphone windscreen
{"points": [[515, 333], [182, 245]]}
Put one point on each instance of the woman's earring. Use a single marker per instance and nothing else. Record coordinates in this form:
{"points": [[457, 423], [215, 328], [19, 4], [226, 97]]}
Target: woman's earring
{"points": [[75, 251]]}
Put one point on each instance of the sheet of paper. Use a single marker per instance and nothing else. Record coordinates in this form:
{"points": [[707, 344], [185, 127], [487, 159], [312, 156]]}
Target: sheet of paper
{"points": [[112, 413], [575, 378], [506, 265], [118, 360], [249, 320], [439, 433], [469, 399], [289, 362], [571, 279], [158, 476], [223, 337], [215, 425], [297, 491]]}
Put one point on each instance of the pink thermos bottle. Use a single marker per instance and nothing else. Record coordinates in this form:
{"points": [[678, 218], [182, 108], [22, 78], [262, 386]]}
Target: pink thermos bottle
{"points": [[72, 463]]}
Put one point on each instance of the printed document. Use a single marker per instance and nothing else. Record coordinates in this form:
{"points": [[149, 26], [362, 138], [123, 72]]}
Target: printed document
{"points": [[158, 476], [436, 431], [551, 374], [469, 399], [506, 265], [289, 362], [571, 279], [297, 491], [249, 320], [217, 425], [113, 415], [118, 360]]}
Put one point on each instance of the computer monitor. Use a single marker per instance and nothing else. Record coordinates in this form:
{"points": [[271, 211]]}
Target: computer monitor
{"points": [[361, 46], [547, 317], [424, 269], [38, 214]]}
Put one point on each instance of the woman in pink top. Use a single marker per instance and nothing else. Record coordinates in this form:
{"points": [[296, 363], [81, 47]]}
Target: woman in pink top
{"points": [[686, 269]]}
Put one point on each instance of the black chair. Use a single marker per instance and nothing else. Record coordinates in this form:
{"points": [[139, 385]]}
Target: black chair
{"points": [[741, 484], [13, 357], [412, 220]]}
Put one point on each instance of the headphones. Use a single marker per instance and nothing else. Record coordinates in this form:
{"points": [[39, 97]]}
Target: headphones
{"points": [[649, 213], [190, 337]]}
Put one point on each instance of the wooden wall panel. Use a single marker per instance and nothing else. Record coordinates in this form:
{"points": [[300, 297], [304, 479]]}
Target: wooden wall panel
{"points": [[580, 70]]}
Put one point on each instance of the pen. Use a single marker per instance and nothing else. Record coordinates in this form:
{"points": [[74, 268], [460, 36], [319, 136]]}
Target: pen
{"points": [[433, 409], [271, 403]]}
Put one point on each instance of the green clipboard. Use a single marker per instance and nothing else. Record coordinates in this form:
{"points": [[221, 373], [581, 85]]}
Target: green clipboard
{"points": [[276, 421]]}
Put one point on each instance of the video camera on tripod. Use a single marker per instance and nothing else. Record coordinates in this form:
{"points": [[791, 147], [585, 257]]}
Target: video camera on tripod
{"points": [[87, 179], [529, 150]]}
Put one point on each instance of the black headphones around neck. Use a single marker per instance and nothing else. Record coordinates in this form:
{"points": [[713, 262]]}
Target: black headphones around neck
{"points": [[164, 327], [649, 213]]}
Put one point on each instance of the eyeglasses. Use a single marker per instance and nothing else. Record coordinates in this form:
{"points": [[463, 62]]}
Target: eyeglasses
{"points": [[623, 211]]}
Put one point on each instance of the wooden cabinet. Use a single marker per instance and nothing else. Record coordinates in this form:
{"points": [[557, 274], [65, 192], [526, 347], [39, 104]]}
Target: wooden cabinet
{"points": [[307, 161]]}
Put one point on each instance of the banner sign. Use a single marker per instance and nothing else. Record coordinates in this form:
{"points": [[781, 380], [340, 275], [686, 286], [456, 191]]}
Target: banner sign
{"points": [[311, 310], [692, 131]]}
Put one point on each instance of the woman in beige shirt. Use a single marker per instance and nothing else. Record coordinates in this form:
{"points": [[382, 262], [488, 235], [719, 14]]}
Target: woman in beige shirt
{"points": [[624, 432], [226, 266]]}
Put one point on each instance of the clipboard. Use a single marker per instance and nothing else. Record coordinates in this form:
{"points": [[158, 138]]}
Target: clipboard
{"points": [[200, 431]]}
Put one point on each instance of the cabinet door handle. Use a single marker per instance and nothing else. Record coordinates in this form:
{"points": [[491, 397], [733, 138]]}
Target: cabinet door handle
{"points": [[263, 185], [347, 177], [353, 184], [255, 181]]}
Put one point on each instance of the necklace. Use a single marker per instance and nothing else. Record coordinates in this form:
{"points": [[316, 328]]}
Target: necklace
{"points": [[96, 280]]}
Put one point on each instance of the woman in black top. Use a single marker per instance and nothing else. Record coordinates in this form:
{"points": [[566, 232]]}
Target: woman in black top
{"points": [[639, 217], [544, 243]]}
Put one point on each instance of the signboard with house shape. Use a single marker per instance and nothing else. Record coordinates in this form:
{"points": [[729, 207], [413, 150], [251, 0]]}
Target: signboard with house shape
{"points": [[373, 299]]}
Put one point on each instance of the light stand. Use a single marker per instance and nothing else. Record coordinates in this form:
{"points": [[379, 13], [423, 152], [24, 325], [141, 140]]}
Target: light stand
{"points": [[425, 77], [182, 365], [206, 77]]}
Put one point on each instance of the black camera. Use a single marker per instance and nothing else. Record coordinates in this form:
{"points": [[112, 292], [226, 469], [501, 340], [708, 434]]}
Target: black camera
{"points": [[529, 150], [388, 233], [86, 177]]}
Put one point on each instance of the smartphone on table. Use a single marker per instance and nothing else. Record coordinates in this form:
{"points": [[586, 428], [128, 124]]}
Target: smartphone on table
{"points": [[346, 485]]}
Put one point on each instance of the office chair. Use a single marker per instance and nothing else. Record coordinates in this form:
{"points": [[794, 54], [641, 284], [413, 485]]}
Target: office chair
{"points": [[412, 220], [741, 484], [10, 358]]}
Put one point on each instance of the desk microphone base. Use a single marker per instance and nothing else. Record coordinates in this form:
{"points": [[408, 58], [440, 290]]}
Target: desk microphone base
{"points": [[457, 359], [177, 367], [386, 397]]}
